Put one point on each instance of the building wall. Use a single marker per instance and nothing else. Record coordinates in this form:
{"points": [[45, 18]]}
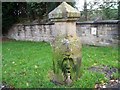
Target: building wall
{"points": [[100, 34]]}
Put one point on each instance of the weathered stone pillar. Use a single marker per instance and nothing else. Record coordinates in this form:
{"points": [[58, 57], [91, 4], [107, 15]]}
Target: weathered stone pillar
{"points": [[66, 46]]}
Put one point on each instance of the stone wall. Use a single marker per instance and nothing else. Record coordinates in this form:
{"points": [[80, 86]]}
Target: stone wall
{"points": [[100, 33], [32, 32]]}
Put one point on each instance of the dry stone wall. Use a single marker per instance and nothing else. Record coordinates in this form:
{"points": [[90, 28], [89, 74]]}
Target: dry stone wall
{"points": [[92, 33]]}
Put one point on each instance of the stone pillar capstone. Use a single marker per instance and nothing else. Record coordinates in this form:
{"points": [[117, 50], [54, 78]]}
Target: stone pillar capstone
{"points": [[66, 45]]}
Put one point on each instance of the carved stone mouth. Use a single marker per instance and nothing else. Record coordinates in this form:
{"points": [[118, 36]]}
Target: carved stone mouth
{"points": [[68, 80]]}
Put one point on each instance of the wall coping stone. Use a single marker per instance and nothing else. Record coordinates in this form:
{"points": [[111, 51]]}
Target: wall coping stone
{"points": [[32, 24], [85, 22], [100, 22]]}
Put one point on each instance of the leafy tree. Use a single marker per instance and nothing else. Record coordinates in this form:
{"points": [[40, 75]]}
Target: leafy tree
{"points": [[101, 10], [119, 10], [108, 10], [41, 9], [85, 9], [9, 15], [13, 12]]}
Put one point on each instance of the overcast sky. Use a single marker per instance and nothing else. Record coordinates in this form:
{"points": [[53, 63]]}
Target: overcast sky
{"points": [[80, 3]]}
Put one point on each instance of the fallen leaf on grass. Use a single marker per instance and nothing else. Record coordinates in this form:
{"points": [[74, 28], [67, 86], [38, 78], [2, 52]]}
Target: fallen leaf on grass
{"points": [[27, 84], [36, 66]]}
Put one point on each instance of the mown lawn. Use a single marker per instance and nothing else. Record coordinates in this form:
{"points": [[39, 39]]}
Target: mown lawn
{"points": [[27, 64]]}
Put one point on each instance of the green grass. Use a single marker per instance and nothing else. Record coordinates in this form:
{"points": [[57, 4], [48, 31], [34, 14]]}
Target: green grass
{"points": [[27, 64]]}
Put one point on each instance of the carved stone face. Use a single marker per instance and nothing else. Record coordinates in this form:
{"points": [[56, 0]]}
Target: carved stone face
{"points": [[67, 59]]}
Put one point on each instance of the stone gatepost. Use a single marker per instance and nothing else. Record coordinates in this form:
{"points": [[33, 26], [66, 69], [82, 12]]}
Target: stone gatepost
{"points": [[66, 45]]}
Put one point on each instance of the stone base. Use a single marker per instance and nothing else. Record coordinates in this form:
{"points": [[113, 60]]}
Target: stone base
{"points": [[58, 81]]}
